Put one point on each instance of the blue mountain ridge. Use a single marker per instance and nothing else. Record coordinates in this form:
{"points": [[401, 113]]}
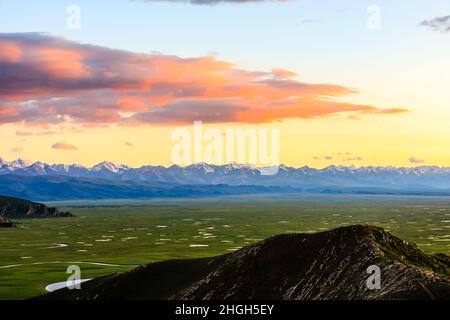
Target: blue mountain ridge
{"points": [[106, 180]]}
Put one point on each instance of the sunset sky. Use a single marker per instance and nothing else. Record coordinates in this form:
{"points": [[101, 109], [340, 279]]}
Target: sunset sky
{"points": [[341, 89]]}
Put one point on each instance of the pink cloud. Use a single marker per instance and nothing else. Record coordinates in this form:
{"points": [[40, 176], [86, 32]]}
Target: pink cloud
{"points": [[50, 80], [10, 52]]}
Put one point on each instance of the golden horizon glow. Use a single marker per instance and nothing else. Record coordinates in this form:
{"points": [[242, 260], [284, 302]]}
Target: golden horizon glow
{"points": [[70, 110]]}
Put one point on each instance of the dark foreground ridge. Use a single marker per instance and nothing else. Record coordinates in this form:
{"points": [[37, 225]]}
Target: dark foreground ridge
{"points": [[326, 265], [19, 208]]}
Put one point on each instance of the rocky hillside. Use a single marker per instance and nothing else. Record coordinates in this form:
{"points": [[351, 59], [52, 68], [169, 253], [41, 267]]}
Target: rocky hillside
{"points": [[327, 265], [6, 223], [18, 208]]}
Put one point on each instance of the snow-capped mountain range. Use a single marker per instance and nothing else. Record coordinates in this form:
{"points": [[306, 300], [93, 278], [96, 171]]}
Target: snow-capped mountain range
{"points": [[423, 177]]}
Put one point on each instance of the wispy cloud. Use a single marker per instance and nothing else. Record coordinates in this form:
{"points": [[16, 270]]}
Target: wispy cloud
{"points": [[64, 146], [329, 158], [28, 133], [23, 133], [51, 80], [352, 159], [307, 21], [438, 24], [416, 160]]}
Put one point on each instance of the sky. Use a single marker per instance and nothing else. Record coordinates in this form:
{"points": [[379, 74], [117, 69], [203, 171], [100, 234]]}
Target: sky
{"points": [[345, 82]]}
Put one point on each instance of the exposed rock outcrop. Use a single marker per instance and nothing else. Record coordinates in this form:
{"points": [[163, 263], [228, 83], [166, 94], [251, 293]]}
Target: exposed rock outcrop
{"points": [[6, 223], [18, 208]]}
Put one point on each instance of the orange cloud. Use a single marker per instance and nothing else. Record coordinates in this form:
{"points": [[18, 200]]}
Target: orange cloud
{"points": [[64, 146], [390, 111], [132, 104], [23, 133], [50, 80]]}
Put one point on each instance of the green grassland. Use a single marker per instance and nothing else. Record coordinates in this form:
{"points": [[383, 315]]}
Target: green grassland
{"points": [[129, 233]]}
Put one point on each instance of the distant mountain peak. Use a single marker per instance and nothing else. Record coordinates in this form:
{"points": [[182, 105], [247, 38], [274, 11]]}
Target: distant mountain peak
{"points": [[334, 178], [20, 163], [202, 166], [110, 166]]}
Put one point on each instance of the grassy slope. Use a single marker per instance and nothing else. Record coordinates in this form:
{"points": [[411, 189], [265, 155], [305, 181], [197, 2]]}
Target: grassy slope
{"points": [[270, 269], [223, 225]]}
